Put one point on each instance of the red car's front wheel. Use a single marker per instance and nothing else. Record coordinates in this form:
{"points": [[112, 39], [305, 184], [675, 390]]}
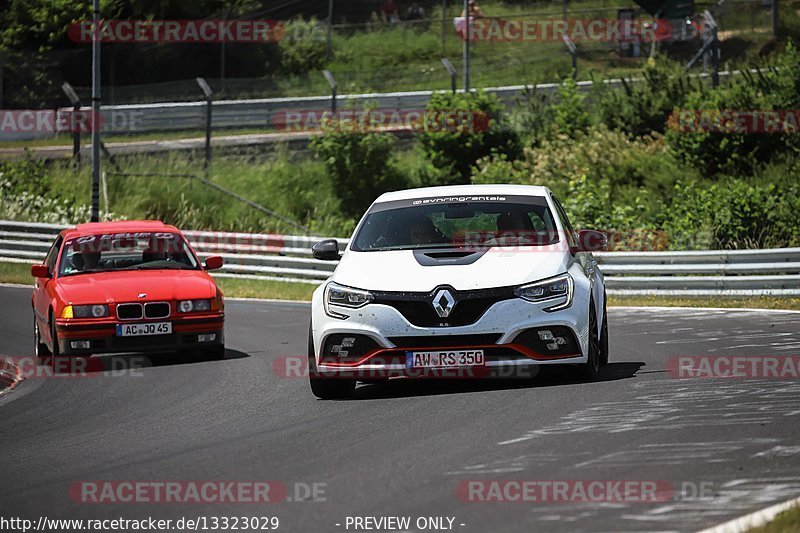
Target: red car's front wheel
{"points": [[40, 349]]}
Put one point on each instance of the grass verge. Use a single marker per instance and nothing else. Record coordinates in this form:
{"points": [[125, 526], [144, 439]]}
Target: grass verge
{"points": [[785, 522], [19, 273], [274, 290], [280, 290], [754, 302]]}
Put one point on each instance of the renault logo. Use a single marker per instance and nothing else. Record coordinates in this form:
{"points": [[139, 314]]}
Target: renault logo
{"points": [[443, 303]]}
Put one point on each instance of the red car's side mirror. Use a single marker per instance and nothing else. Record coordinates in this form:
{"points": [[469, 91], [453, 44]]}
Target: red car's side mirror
{"points": [[591, 240], [40, 271], [214, 262]]}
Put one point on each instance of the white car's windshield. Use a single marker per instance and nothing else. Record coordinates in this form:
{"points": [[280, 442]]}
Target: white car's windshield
{"points": [[126, 251], [457, 223]]}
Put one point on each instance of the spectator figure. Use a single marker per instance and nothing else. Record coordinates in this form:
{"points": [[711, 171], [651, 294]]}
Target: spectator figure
{"points": [[389, 12], [474, 11], [415, 12], [461, 22]]}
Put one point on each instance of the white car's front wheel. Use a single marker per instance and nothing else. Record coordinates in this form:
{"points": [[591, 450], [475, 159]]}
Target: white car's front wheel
{"points": [[591, 367], [604, 334]]}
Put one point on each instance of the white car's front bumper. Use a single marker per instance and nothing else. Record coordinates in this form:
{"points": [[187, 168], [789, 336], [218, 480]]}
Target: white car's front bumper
{"points": [[393, 335]]}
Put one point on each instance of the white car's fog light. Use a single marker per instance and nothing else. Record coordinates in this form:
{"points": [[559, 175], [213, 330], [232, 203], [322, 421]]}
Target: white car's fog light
{"points": [[546, 335], [561, 341], [552, 346]]}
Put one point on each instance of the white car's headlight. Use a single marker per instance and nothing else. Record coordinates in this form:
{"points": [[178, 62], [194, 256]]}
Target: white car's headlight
{"points": [[550, 289], [336, 294]]}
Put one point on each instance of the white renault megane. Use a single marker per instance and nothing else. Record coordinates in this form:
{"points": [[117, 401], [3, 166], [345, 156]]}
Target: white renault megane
{"points": [[463, 281]]}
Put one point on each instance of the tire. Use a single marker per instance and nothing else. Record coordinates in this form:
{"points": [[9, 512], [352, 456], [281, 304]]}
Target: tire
{"points": [[326, 388], [604, 335], [590, 368], [40, 349], [55, 350]]}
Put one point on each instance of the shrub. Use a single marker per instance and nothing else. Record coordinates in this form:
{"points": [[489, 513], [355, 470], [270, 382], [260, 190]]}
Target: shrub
{"points": [[733, 214], [643, 107], [741, 153], [361, 166], [302, 49], [569, 114], [24, 176], [457, 151], [605, 179]]}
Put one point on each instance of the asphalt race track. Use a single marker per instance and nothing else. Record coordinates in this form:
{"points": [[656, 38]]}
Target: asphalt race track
{"points": [[401, 448]]}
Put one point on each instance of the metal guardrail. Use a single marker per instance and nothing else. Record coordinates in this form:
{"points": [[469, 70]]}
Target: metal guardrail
{"points": [[259, 113], [774, 272]]}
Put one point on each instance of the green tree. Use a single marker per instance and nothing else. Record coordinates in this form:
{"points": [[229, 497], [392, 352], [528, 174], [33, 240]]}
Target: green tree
{"points": [[465, 127]]}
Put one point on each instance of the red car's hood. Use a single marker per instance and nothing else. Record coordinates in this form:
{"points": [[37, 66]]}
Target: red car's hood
{"points": [[159, 285]]}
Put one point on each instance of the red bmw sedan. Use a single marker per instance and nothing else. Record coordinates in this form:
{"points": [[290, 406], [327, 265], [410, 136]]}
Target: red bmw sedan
{"points": [[133, 286]]}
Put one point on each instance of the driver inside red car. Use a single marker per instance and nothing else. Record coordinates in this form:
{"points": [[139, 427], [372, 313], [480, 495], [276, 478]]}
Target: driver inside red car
{"points": [[84, 261]]}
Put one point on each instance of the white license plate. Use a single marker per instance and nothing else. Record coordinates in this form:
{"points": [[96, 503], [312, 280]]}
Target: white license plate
{"points": [[444, 359], [140, 330]]}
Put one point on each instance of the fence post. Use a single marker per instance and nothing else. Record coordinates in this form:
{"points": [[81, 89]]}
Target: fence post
{"points": [[328, 46], [573, 51], [208, 93], [452, 71], [776, 23], [334, 88], [73, 98], [467, 28], [444, 27], [96, 81]]}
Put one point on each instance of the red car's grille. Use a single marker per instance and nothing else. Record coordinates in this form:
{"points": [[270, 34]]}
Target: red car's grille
{"points": [[148, 310], [156, 310], [129, 311]]}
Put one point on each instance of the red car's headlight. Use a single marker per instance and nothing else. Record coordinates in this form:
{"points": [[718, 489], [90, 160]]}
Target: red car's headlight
{"points": [[85, 311], [197, 306]]}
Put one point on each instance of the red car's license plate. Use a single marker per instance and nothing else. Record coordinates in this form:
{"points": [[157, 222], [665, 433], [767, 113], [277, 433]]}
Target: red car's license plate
{"points": [[138, 330]]}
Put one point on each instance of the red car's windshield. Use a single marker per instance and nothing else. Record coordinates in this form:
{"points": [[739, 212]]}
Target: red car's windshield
{"points": [[126, 251]]}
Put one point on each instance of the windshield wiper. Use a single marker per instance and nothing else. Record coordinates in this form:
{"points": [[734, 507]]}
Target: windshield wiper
{"points": [[87, 271], [159, 267]]}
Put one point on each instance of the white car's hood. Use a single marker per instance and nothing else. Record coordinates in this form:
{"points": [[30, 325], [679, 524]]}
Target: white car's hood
{"points": [[400, 270]]}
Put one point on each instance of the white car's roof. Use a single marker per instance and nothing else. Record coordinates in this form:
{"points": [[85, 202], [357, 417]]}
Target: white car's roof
{"points": [[463, 190]]}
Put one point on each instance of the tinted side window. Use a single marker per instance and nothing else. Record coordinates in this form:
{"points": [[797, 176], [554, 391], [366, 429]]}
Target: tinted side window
{"points": [[562, 215], [52, 255]]}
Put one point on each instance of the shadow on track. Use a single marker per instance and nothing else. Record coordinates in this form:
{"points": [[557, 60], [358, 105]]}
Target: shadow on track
{"points": [[120, 363], [550, 377]]}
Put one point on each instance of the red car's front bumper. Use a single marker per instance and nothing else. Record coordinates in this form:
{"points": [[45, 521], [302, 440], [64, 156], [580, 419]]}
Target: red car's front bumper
{"points": [[201, 332]]}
